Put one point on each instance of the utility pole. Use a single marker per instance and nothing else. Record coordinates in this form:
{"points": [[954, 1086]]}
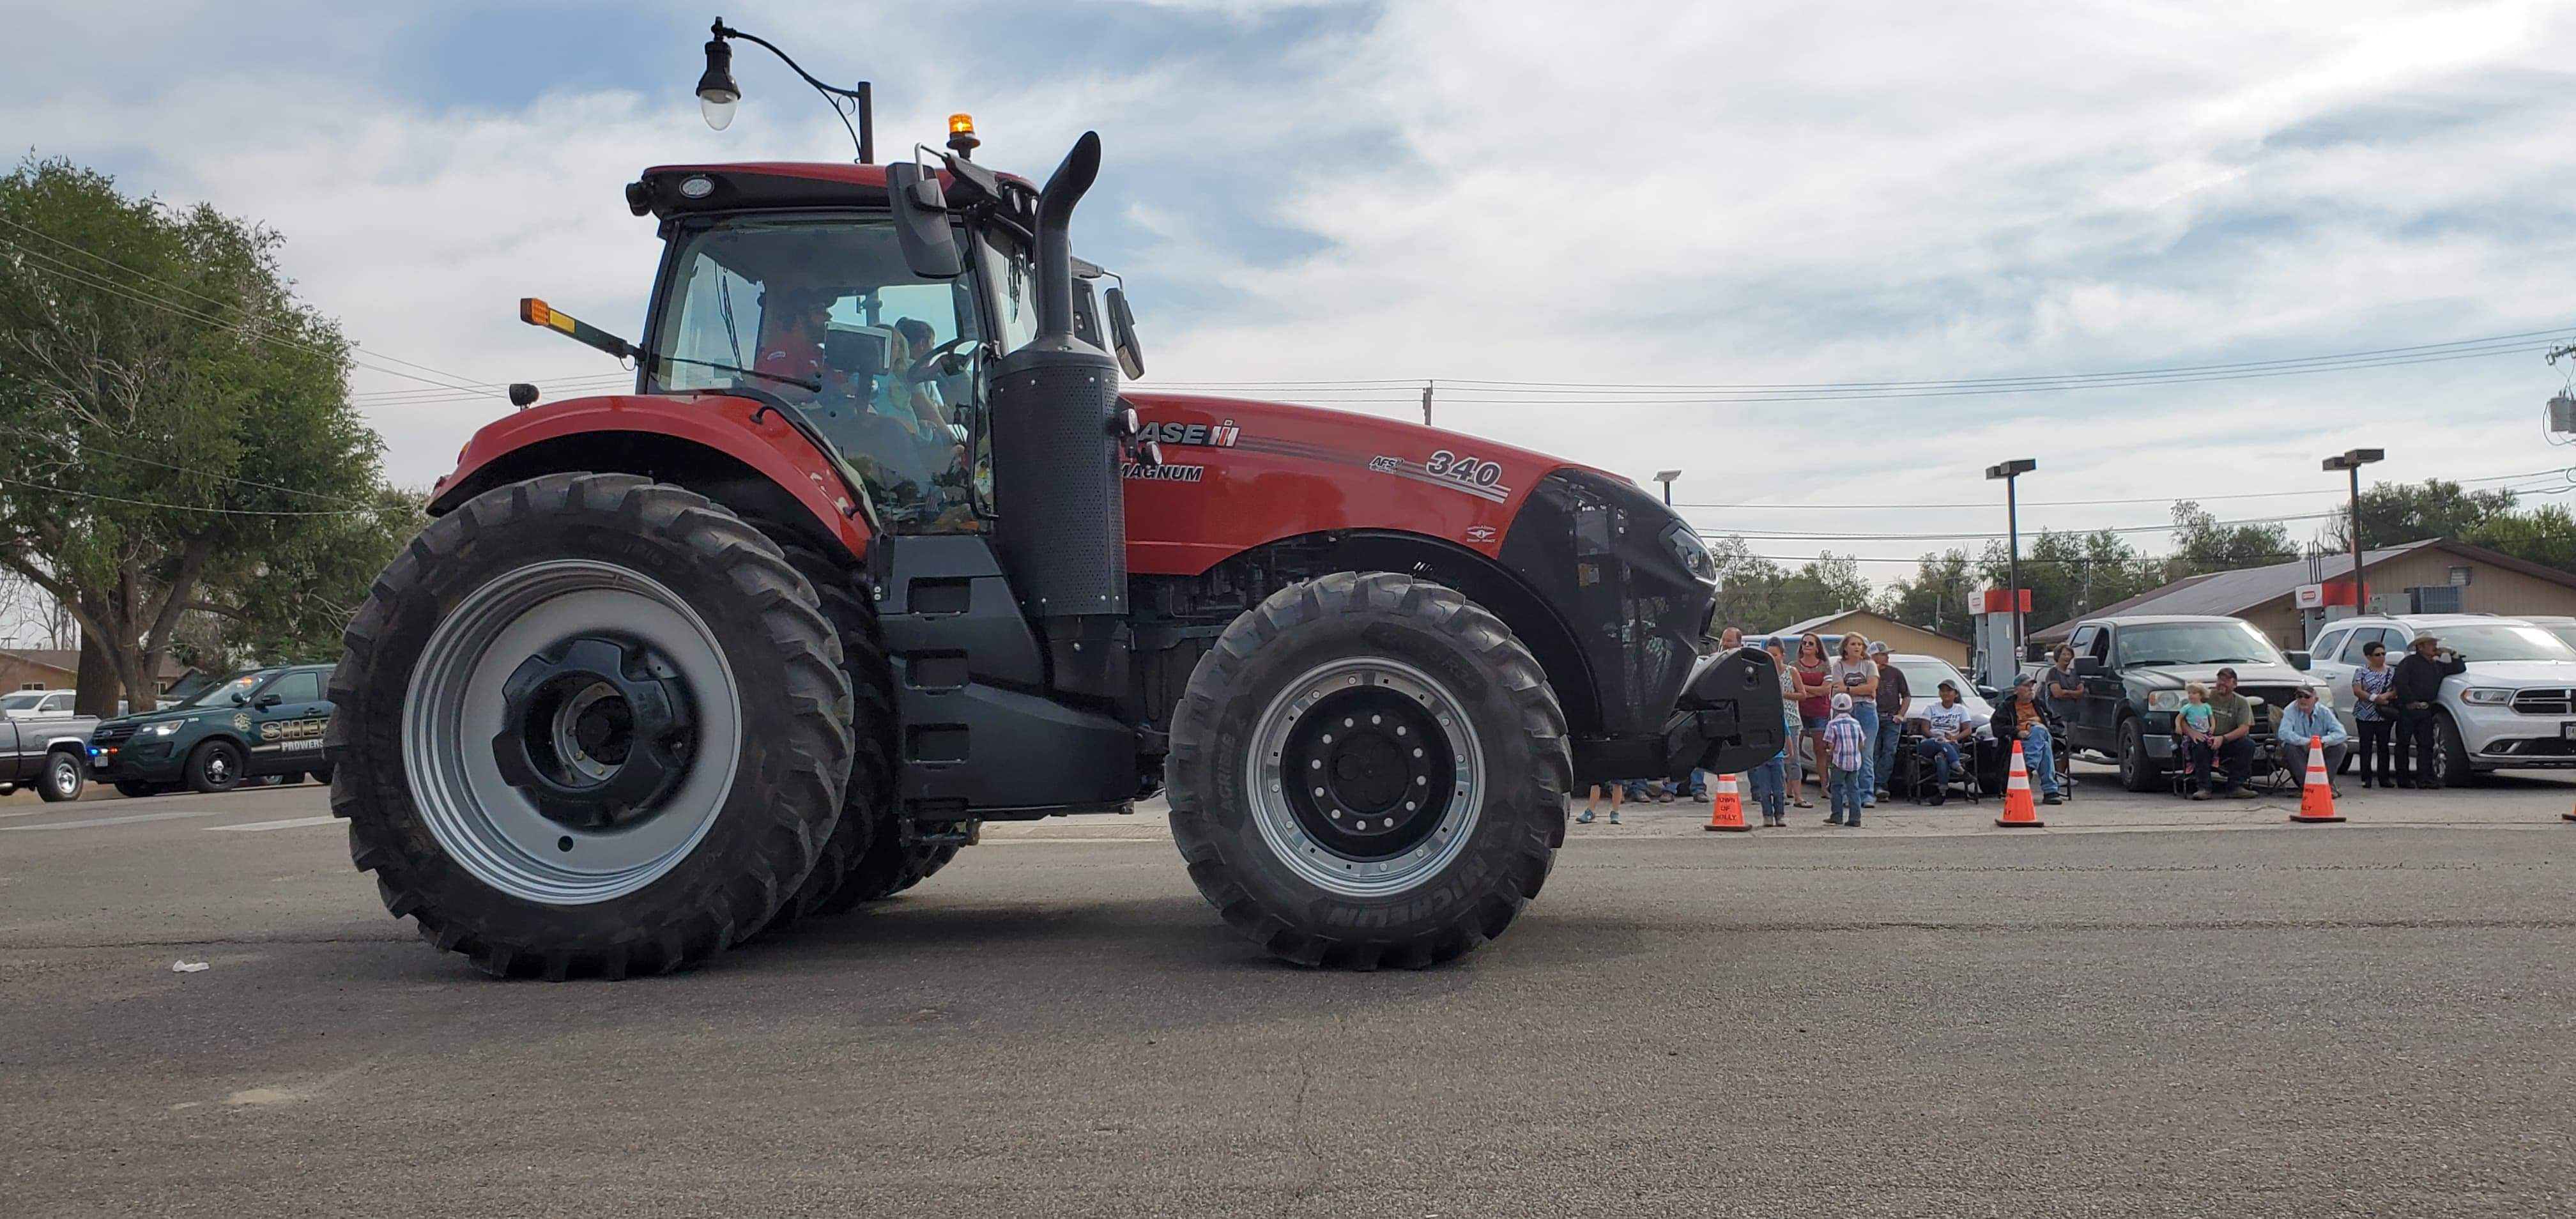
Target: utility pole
{"points": [[2010, 472], [2354, 461], [1426, 403]]}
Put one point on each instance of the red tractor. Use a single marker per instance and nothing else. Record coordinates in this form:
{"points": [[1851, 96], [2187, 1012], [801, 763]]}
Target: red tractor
{"points": [[879, 549]]}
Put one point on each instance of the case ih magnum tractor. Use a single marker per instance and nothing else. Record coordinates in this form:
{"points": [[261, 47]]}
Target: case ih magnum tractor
{"points": [[879, 550]]}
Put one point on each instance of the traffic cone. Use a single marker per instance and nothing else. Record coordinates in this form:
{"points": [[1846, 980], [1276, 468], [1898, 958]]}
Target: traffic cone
{"points": [[2316, 795], [1726, 812], [2019, 812]]}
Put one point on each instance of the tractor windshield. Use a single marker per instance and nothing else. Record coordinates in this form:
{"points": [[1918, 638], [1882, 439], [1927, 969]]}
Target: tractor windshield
{"points": [[822, 312]]}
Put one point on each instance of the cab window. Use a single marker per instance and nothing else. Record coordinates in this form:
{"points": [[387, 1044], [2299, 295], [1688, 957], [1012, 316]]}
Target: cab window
{"points": [[823, 313], [305, 687], [2327, 645]]}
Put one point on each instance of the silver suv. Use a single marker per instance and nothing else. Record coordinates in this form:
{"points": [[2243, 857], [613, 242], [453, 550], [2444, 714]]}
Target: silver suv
{"points": [[2516, 705]]}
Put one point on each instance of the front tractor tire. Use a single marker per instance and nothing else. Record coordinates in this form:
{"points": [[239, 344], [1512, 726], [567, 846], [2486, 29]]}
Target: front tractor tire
{"points": [[1368, 769], [589, 724]]}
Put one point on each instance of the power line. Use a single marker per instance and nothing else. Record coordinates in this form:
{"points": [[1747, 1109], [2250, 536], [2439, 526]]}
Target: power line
{"points": [[91, 447], [149, 503], [2568, 473], [64, 270]]}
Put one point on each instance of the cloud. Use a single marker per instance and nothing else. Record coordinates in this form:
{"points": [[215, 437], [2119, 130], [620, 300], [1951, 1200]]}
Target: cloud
{"points": [[1628, 192]]}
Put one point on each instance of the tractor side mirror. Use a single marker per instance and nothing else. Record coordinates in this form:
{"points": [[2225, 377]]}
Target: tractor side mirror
{"points": [[921, 222], [1122, 332]]}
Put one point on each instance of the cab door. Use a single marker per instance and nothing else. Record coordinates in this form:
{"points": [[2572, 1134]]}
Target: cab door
{"points": [[2326, 664], [2100, 711], [288, 718]]}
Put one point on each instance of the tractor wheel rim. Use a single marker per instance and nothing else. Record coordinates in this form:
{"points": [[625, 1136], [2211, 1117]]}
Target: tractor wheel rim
{"points": [[455, 708], [1373, 741]]}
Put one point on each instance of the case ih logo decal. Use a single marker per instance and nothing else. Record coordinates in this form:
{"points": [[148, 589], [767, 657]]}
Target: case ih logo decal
{"points": [[1456, 472], [1214, 436], [1163, 474]]}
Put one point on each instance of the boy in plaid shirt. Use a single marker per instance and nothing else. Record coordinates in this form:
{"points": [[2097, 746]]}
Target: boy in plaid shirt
{"points": [[1846, 744]]}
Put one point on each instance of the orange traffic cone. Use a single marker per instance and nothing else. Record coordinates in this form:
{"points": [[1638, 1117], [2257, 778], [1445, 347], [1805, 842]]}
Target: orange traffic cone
{"points": [[1725, 812], [2316, 796], [2019, 812]]}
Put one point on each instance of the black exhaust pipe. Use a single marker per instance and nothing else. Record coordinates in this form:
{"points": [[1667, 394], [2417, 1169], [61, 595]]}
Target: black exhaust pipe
{"points": [[1056, 478]]}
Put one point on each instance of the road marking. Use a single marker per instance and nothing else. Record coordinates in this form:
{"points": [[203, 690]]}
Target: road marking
{"points": [[288, 824], [125, 820], [1021, 842]]}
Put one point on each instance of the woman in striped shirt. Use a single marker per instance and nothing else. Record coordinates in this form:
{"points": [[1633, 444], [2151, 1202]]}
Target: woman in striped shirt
{"points": [[2372, 715]]}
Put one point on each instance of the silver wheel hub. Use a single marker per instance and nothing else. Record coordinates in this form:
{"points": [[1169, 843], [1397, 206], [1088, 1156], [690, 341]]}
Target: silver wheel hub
{"points": [[533, 744], [1366, 777]]}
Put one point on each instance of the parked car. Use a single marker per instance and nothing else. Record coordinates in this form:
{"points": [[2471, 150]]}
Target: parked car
{"points": [[36, 704], [1923, 678], [2133, 670], [254, 724], [44, 754], [2516, 706]]}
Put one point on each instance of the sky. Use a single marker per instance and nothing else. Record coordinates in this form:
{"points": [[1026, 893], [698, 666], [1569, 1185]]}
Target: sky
{"points": [[1611, 194]]}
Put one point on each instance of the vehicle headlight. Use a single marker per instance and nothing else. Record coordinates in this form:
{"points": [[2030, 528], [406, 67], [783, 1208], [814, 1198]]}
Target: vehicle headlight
{"points": [[167, 728], [1692, 552], [2486, 696], [2164, 700]]}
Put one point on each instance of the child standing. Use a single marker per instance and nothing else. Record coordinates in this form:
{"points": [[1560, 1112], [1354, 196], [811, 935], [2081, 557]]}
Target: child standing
{"points": [[2193, 722], [1847, 746], [1594, 797]]}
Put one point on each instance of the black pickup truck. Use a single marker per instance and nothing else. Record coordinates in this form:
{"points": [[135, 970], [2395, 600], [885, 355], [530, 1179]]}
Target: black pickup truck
{"points": [[2133, 671], [49, 754]]}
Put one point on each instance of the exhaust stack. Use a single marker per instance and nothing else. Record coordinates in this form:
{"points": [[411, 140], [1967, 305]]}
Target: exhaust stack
{"points": [[1056, 476]]}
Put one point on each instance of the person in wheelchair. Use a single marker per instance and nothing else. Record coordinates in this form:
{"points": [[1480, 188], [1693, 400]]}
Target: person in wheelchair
{"points": [[2021, 718]]}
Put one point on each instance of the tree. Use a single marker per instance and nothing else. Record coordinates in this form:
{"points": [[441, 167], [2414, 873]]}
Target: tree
{"points": [[169, 411], [2392, 513], [2071, 574], [1937, 598], [2545, 535], [2204, 544], [1760, 595]]}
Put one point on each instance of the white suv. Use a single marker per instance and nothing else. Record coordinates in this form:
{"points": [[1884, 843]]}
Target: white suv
{"points": [[2516, 705]]}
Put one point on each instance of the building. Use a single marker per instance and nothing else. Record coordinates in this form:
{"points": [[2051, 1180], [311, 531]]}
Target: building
{"points": [[1879, 628], [2287, 601], [59, 669]]}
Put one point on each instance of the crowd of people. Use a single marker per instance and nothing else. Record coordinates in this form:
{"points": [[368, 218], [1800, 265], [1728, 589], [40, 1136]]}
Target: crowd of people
{"points": [[1853, 712]]}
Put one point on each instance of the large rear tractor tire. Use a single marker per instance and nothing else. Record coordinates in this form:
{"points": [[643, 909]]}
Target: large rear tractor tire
{"points": [[889, 867], [868, 799], [589, 724], [1368, 769]]}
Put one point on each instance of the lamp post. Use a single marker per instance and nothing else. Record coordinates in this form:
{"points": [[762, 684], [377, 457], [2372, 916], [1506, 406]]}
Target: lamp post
{"points": [[718, 94], [2354, 461], [2009, 472], [1666, 477]]}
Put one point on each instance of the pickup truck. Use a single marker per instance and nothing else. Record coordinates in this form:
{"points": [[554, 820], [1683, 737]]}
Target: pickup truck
{"points": [[2133, 670], [46, 754]]}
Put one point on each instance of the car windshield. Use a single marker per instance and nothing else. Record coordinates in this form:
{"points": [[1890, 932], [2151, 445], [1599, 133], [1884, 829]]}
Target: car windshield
{"points": [[2194, 643], [222, 691], [23, 701], [824, 313], [2500, 642], [1924, 675], [2565, 634]]}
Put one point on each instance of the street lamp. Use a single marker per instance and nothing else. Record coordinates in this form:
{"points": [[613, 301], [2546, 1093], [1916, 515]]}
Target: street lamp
{"points": [[2009, 471], [1666, 477], [718, 94], [2354, 461]]}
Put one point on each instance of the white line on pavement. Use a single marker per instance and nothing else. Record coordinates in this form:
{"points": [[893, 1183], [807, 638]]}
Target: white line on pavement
{"points": [[128, 819], [288, 824]]}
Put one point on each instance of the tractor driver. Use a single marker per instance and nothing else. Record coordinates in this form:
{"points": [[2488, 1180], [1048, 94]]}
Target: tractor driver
{"points": [[884, 426]]}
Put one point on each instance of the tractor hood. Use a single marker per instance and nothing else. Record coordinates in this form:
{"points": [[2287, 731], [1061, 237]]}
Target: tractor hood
{"points": [[1239, 472]]}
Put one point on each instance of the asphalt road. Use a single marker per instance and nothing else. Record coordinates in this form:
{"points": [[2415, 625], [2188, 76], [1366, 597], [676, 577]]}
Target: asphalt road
{"points": [[2150, 1008]]}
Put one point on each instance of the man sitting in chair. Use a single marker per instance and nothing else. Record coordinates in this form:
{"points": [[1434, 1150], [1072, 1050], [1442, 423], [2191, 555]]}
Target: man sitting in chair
{"points": [[2231, 744], [2021, 718], [2307, 718], [1946, 726]]}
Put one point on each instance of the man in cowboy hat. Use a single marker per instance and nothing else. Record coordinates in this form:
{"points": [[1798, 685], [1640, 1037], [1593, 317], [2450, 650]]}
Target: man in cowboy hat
{"points": [[2418, 687]]}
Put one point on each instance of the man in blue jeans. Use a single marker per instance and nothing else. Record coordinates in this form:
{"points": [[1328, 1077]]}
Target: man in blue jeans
{"points": [[1893, 703], [1949, 729], [2019, 719]]}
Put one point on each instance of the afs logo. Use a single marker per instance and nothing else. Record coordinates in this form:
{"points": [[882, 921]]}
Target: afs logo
{"points": [[1480, 533]]}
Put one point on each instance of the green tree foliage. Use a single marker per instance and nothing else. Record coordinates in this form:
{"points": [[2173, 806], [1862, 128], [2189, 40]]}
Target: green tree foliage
{"points": [[2392, 513], [1938, 597], [2203, 543], [2545, 535], [1760, 595], [2069, 574], [175, 429]]}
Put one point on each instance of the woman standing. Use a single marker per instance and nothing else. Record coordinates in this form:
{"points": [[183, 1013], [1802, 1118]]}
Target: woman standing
{"points": [[1855, 674], [1815, 702], [2371, 696]]}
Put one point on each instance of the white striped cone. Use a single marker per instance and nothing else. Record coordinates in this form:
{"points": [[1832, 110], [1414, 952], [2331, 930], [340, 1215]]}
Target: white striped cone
{"points": [[2019, 812]]}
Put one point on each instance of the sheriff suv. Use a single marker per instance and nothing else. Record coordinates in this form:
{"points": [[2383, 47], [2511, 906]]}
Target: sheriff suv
{"points": [[259, 724], [2134, 669], [2516, 705]]}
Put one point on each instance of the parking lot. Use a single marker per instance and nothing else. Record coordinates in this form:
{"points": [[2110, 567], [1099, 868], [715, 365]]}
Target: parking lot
{"points": [[2150, 1008]]}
